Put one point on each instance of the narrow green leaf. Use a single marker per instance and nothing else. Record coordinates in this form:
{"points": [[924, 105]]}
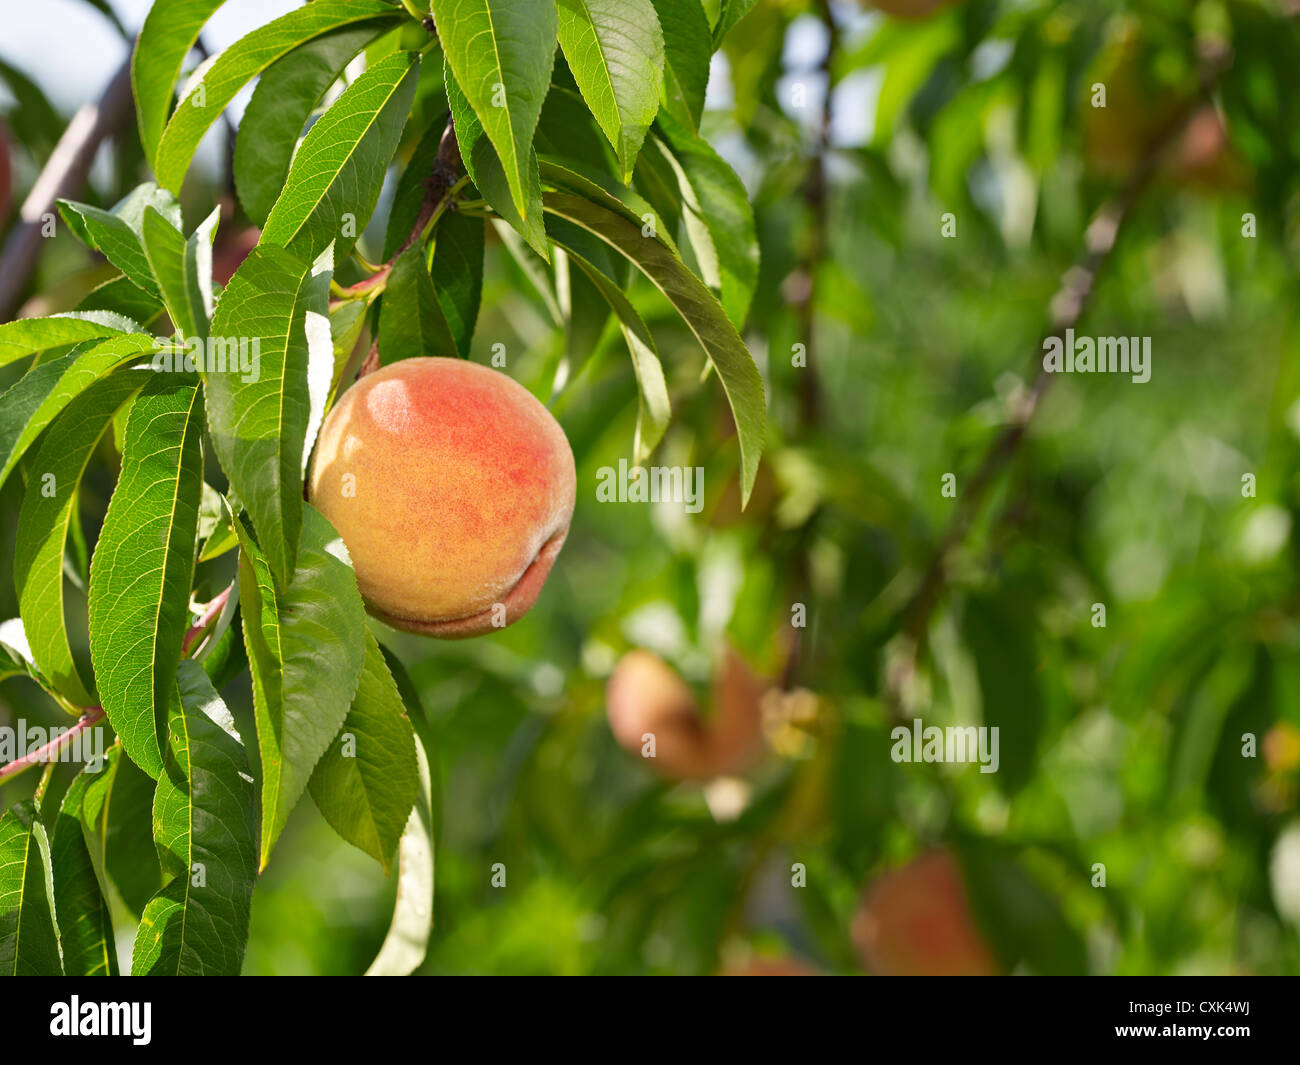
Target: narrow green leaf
{"points": [[85, 925], [367, 782], [411, 320], [48, 510], [238, 65], [281, 105], [654, 411], [338, 172], [306, 647], [483, 165], [121, 295], [117, 813], [615, 49], [719, 219], [29, 944], [502, 54], [144, 562], [585, 316], [203, 825], [457, 271], [177, 264], [168, 34], [47, 388], [699, 309], [687, 53], [118, 233], [407, 941], [26, 336], [260, 417]]}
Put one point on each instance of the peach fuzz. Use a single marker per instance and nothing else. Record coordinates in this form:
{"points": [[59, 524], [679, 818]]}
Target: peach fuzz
{"points": [[452, 487]]}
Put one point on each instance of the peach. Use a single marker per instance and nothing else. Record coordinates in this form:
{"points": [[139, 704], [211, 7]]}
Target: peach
{"points": [[646, 697], [452, 487], [917, 921]]}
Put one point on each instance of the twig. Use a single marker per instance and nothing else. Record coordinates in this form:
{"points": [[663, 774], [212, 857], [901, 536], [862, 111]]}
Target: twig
{"points": [[64, 175], [210, 613], [92, 716]]}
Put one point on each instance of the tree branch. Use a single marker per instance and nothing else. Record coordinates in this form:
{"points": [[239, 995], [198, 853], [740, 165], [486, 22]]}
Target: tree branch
{"points": [[47, 752], [64, 175]]}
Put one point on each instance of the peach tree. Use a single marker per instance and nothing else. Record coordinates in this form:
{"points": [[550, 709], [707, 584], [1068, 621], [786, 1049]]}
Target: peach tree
{"points": [[564, 134]]}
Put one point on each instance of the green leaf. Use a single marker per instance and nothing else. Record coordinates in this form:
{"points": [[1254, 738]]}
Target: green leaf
{"points": [[306, 646], [457, 271], [281, 105], [47, 388], [1000, 635], [183, 270], [118, 233], [615, 49], [48, 510], [407, 941], [168, 34], [29, 944], [502, 54], [366, 783], [121, 295], [337, 174], [687, 53], [699, 309], [719, 219], [237, 66], [85, 925], [1023, 922], [729, 13], [260, 426], [483, 165], [144, 562], [118, 813], [203, 825], [411, 321], [585, 315], [26, 336], [653, 408]]}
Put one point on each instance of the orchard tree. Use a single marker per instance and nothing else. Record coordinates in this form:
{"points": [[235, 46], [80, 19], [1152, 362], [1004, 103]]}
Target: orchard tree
{"points": [[440, 491]]}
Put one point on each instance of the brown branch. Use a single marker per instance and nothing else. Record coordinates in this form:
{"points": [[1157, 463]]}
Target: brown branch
{"points": [[64, 175], [92, 716], [1067, 308]]}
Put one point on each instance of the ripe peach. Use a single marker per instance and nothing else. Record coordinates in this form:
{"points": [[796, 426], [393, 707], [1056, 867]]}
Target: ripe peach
{"points": [[452, 487], [646, 696], [916, 921]]}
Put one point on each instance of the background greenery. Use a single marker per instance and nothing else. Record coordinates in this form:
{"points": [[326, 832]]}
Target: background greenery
{"points": [[1120, 745]]}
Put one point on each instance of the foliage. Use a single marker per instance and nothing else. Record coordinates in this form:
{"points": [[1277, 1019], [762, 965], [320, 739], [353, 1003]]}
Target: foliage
{"points": [[859, 233]]}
